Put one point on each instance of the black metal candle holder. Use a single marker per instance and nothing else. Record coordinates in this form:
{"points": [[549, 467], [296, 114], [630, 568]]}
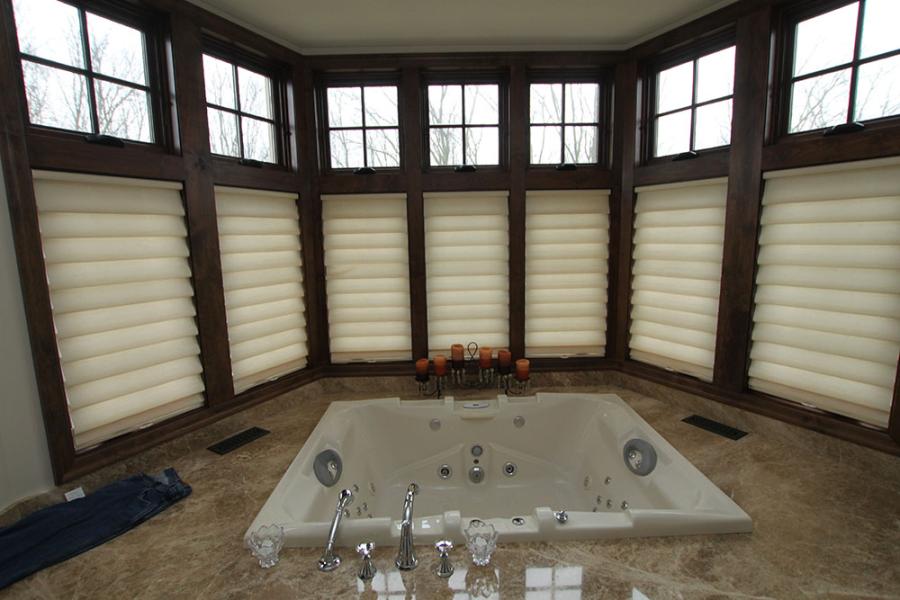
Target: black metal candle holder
{"points": [[469, 374]]}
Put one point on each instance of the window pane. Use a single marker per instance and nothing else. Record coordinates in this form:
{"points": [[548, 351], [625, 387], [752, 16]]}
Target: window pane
{"points": [[880, 27], [715, 75], [56, 98], [546, 145], [483, 146], [712, 125], [345, 107], [582, 102], [826, 40], [123, 111], [445, 104], [482, 104], [820, 101], [116, 50], [673, 133], [219, 78], [259, 140], [383, 147], [223, 132], [381, 106], [49, 29], [674, 87], [256, 93], [581, 144], [878, 89], [546, 103], [347, 149], [446, 146]]}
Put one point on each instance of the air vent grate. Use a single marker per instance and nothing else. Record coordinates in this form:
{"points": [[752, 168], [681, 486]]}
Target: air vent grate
{"points": [[715, 427], [237, 440]]}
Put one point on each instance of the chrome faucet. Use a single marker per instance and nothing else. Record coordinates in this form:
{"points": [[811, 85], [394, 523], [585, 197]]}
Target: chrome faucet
{"points": [[406, 555], [331, 561]]}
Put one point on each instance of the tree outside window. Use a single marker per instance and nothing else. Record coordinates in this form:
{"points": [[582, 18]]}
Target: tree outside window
{"points": [[363, 126]]}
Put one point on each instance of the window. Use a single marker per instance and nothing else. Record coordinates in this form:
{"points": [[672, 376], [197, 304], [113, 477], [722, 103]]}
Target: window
{"points": [[565, 123], [692, 104], [467, 269], [679, 230], [826, 328], [262, 271], [367, 277], [363, 127], [119, 274], [566, 262], [464, 124], [241, 111], [83, 71], [845, 66]]}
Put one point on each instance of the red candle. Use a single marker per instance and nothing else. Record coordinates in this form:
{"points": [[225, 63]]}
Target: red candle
{"points": [[504, 360], [422, 369], [523, 365], [485, 360], [440, 365], [456, 353]]}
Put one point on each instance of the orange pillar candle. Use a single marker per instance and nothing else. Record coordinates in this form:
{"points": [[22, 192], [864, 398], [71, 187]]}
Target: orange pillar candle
{"points": [[485, 359], [440, 365], [504, 361], [422, 369], [523, 365], [457, 356]]}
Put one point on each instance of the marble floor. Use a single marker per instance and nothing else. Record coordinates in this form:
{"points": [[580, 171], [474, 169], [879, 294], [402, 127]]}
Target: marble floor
{"points": [[826, 516]]}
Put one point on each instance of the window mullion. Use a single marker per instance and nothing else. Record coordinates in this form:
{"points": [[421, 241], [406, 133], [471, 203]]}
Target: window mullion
{"points": [[562, 113], [462, 119], [694, 64], [854, 71], [86, 56], [362, 114]]}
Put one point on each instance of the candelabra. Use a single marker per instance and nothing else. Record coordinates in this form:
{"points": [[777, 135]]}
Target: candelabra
{"points": [[477, 371]]}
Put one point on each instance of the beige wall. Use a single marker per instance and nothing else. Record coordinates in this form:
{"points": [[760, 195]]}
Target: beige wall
{"points": [[24, 463]]}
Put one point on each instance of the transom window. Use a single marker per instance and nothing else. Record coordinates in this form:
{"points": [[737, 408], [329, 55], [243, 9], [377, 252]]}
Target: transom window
{"points": [[363, 126], [692, 104], [241, 111], [565, 123], [845, 66], [464, 124], [83, 71]]}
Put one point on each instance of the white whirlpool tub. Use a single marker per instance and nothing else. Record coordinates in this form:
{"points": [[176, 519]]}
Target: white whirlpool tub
{"points": [[537, 455]]}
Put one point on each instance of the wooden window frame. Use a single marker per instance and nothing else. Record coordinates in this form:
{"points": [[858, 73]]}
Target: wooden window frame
{"points": [[791, 18]]}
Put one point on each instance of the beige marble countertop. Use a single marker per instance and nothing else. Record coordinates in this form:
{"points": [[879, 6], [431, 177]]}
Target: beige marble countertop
{"points": [[826, 516]]}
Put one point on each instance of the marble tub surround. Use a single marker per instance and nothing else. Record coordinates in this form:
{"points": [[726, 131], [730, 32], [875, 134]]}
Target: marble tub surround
{"points": [[826, 516]]}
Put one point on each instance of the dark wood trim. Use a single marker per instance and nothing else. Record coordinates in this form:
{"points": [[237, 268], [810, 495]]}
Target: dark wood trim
{"points": [[706, 166], [406, 368], [894, 420], [518, 162], [770, 406], [803, 150], [226, 171], [743, 204], [582, 178], [376, 183], [200, 206]]}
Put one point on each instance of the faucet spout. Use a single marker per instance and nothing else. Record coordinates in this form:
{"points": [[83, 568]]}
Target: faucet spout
{"points": [[331, 561], [406, 555]]}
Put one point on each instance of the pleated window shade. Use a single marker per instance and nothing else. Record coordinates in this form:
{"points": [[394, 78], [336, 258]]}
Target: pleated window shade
{"points": [[678, 234], [826, 328], [467, 267], [120, 286], [262, 271], [367, 277], [566, 260]]}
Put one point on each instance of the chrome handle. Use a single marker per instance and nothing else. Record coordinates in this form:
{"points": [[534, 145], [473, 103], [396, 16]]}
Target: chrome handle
{"points": [[367, 570], [561, 516], [444, 568], [331, 561]]}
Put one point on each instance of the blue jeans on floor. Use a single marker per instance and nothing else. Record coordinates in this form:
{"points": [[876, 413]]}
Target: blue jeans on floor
{"points": [[59, 532]]}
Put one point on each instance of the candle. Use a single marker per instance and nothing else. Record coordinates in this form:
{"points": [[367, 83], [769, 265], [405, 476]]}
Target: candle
{"points": [[440, 365], [485, 359], [504, 360], [456, 352], [422, 369], [522, 367]]}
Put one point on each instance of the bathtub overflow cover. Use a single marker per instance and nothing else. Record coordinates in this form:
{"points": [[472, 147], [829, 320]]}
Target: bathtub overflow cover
{"points": [[639, 456], [328, 467]]}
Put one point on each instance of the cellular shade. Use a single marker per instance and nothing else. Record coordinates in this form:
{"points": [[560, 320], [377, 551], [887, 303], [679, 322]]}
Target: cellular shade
{"points": [[678, 235], [566, 260], [367, 277], [826, 328], [116, 254], [262, 271], [467, 267]]}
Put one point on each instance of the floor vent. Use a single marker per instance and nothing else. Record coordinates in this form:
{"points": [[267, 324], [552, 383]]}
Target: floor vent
{"points": [[237, 440], [715, 427]]}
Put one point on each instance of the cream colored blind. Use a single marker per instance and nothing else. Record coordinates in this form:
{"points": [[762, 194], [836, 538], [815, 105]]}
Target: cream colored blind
{"points": [[826, 329], [467, 265], [262, 271], [120, 285], [679, 230], [566, 260], [367, 277]]}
